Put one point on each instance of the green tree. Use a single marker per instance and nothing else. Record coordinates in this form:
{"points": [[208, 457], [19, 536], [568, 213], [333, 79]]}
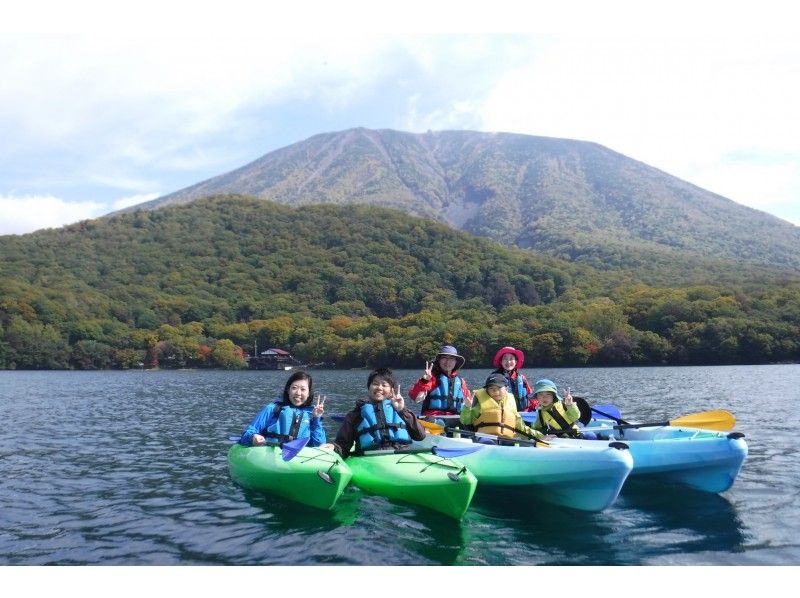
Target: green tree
{"points": [[228, 356]]}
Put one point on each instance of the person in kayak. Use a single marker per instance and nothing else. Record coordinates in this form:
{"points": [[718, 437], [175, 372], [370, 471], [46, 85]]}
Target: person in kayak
{"points": [[493, 411], [293, 416], [440, 389], [555, 416], [508, 361], [380, 421]]}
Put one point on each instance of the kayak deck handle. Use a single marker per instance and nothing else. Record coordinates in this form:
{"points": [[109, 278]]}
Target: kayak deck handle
{"points": [[621, 446]]}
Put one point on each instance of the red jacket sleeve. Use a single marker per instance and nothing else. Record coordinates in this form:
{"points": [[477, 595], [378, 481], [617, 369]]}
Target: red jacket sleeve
{"points": [[421, 385]]}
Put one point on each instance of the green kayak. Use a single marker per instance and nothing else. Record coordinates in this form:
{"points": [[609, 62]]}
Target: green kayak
{"points": [[421, 478], [314, 476]]}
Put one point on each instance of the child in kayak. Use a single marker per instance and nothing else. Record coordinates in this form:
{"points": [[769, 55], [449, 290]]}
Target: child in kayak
{"points": [[555, 416], [380, 421], [508, 361], [291, 417], [440, 389], [492, 410]]}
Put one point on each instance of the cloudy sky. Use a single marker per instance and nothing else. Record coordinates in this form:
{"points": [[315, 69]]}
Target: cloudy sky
{"points": [[104, 105]]}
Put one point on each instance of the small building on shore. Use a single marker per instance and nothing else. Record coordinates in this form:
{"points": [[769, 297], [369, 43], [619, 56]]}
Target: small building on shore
{"points": [[271, 359]]}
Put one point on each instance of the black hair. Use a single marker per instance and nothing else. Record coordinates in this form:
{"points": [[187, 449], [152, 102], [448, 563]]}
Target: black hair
{"points": [[299, 375], [384, 374]]}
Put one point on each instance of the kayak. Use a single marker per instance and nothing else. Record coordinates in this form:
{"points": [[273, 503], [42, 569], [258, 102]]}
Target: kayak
{"points": [[315, 477], [420, 478], [587, 477], [703, 459]]}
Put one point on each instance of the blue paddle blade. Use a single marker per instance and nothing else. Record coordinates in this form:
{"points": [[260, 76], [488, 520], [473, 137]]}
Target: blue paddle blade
{"points": [[455, 452], [528, 416], [234, 438], [607, 411], [291, 448]]}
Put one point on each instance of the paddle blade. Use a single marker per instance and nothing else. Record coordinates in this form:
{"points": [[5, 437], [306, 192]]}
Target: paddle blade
{"points": [[608, 411], [455, 452], [234, 438], [291, 448], [585, 409], [719, 420], [432, 428]]}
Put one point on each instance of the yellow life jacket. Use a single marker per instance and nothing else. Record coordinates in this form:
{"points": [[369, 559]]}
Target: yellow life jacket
{"points": [[496, 418], [555, 419]]}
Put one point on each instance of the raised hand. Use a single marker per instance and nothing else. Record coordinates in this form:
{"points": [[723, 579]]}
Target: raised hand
{"points": [[428, 370], [568, 400], [397, 399], [468, 398], [319, 406]]}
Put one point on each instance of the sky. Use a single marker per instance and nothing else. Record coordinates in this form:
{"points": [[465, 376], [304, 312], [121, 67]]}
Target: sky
{"points": [[109, 104]]}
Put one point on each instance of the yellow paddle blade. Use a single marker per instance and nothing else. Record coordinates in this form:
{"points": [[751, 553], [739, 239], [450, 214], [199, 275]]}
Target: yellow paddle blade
{"points": [[719, 420], [432, 428]]}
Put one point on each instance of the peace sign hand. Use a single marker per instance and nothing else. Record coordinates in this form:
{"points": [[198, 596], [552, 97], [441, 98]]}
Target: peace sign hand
{"points": [[568, 400], [467, 399], [319, 406], [428, 370], [397, 399]]}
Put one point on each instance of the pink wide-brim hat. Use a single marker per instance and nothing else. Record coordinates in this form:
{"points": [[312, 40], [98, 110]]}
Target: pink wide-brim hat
{"points": [[515, 352]]}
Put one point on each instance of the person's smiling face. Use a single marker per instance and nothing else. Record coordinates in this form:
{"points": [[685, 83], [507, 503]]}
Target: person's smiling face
{"points": [[545, 398], [380, 390], [298, 392], [508, 361]]}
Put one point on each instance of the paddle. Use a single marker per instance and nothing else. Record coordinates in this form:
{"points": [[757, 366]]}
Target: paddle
{"points": [[432, 428], [439, 451], [609, 411], [719, 420], [477, 436], [289, 449]]}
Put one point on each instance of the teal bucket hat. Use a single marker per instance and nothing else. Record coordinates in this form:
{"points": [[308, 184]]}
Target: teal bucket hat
{"points": [[544, 385]]}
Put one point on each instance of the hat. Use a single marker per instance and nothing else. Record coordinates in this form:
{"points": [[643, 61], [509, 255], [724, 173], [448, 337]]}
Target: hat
{"points": [[515, 352], [450, 351], [544, 385], [495, 380]]}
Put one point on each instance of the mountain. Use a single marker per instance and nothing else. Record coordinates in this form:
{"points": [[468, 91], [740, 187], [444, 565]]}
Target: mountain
{"points": [[573, 199]]}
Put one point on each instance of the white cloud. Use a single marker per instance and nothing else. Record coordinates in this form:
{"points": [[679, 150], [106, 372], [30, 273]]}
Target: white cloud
{"points": [[683, 105], [29, 213], [25, 214]]}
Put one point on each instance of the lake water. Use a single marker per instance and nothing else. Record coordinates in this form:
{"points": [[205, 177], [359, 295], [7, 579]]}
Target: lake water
{"points": [[129, 468]]}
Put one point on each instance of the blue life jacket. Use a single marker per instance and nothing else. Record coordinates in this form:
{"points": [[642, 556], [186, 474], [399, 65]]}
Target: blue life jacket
{"points": [[446, 396], [380, 426], [517, 388], [289, 422]]}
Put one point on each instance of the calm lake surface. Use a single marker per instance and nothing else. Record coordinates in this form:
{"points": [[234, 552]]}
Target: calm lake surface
{"points": [[129, 468]]}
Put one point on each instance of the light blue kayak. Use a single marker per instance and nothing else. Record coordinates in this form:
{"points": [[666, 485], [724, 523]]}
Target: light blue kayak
{"points": [[587, 477], [705, 460]]}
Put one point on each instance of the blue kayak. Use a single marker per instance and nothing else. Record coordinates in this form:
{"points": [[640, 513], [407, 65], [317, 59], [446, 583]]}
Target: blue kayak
{"points": [[702, 459]]}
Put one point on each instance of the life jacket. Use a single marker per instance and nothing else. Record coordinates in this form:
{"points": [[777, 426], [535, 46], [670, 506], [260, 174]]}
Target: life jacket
{"points": [[553, 421], [380, 426], [288, 422], [447, 395], [516, 386], [496, 418]]}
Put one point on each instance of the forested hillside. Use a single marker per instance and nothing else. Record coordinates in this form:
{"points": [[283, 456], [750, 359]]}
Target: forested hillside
{"points": [[196, 285]]}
